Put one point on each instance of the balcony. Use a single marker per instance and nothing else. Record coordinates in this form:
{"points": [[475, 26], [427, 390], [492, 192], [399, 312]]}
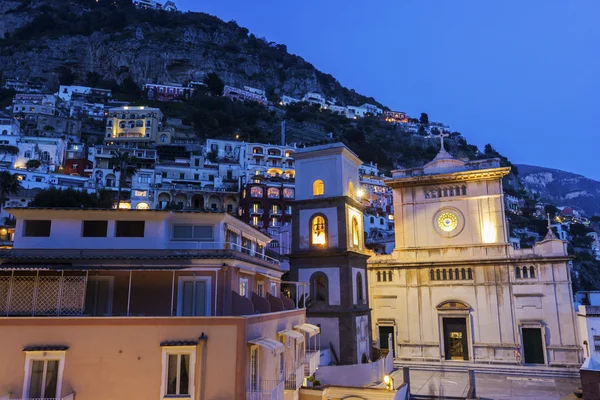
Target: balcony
{"points": [[275, 213], [311, 362], [69, 397], [294, 380], [256, 211], [266, 390], [259, 224], [274, 224]]}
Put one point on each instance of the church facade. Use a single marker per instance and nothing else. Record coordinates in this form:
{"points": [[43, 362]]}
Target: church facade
{"points": [[454, 289]]}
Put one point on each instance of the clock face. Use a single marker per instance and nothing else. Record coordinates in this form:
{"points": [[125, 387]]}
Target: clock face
{"points": [[447, 221]]}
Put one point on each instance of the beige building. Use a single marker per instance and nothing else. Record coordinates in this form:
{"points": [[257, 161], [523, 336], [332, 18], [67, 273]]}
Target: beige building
{"points": [[141, 304], [136, 124], [454, 289]]}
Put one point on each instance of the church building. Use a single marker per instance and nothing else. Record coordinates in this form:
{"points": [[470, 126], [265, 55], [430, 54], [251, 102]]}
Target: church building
{"points": [[454, 289], [328, 250]]}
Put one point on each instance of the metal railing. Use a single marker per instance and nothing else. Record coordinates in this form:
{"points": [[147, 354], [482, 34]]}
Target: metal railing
{"points": [[199, 245], [256, 211], [8, 397], [266, 390], [311, 362], [294, 380]]}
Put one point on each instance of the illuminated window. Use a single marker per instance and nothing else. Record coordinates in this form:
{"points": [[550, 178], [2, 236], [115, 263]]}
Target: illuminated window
{"points": [[288, 193], [319, 233], [355, 240], [350, 189], [256, 191], [273, 193], [318, 188]]}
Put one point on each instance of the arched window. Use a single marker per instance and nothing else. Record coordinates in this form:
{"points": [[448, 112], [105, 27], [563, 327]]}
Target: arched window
{"points": [[437, 274], [372, 220], [532, 271], [163, 138], [464, 190], [450, 274], [378, 276], [355, 237], [318, 231], [518, 272], [451, 191], [445, 192], [384, 275], [350, 189], [444, 274], [319, 287], [524, 272], [139, 123], [456, 276], [470, 273], [431, 276], [359, 288], [463, 274], [390, 276], [4, 132], [318, 188]]}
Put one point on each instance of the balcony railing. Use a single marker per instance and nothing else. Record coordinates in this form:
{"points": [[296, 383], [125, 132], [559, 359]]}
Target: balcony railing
{"points": [[193, 245], [276, 213], [266, 390], [294, 381], [8, 397], [42, 295], [274, 224], [311, 362], [256, 211], [259, 224]]}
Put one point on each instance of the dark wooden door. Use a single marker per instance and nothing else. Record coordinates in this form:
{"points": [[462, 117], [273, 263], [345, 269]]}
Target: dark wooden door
{"points": [[384, 332], [533, 348]]}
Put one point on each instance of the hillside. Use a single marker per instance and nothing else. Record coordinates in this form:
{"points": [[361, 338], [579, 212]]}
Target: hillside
{"points": [[562, 188], [65, 40]]}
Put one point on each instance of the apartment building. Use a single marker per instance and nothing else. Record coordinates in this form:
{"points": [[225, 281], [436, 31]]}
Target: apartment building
{"points": [[50, 152], [98, 304], [188, 182], [246, 94], [68, 93], [137, 191], [167, 92], [34, 104], [136, 125]]}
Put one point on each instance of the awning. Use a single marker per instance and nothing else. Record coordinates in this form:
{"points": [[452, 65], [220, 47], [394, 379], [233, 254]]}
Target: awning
{"points": [[273, 345], [293, 334], [310, 329]]}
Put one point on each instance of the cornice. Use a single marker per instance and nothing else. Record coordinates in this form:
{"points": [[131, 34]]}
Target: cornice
{"points": [[461, 176]]}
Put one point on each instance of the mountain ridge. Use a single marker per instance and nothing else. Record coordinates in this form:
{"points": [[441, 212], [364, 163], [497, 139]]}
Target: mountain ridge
{"points": [[562, 188]]}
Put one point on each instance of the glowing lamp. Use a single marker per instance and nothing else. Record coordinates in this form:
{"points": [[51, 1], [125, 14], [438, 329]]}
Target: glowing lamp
{"points": [[360, 193], [489, 233], [389, 382]]}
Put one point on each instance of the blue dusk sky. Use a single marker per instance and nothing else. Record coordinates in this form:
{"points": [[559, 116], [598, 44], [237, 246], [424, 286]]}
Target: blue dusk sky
{"points": [[521, 75]]}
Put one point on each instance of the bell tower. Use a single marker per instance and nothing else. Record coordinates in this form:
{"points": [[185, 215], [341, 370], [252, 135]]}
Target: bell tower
{"points": [[328, 249]]}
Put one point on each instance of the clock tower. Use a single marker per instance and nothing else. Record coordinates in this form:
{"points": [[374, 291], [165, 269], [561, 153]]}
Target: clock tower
{"points": [[328, 249]]}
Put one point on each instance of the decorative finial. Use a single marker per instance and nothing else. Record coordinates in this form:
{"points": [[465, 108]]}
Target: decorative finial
{"points": [[550, 235]]}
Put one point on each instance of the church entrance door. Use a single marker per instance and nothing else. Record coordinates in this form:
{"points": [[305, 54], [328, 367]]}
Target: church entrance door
{"points": [[384, 333], [533, 348], [455, 338]]}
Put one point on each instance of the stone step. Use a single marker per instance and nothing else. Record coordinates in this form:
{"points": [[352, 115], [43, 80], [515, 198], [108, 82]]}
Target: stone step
{"points": [[520, 370]]}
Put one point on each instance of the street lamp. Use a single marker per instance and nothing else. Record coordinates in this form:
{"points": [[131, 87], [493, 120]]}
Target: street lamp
{"points": [[360, 193], [389, 382]]}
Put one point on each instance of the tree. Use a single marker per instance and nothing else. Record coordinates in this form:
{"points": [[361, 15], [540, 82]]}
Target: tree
{"points": [[551, 209], [424, 119], [214, 83], [9, 184], [71, 198], [125, 166], [33, 164]]}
